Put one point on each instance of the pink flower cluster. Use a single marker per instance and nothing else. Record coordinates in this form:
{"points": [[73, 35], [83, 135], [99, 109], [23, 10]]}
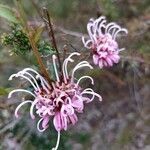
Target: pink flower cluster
{"points": [[102, 41], [60, 101]]}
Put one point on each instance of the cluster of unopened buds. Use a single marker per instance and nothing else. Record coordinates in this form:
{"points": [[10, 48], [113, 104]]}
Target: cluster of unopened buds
{"points": [[64, 98]]}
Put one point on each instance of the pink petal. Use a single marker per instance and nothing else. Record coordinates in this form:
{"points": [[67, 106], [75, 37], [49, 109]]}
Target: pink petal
{"points": [[67, 109], [95, 59], [115, 58], [60, 122], [105, 47], [100, 47], [86, 99], [105, 63], [109, 61], [101, 63], [45, 122], [57, 122], [115, 44], [77, 103], [73, 118], [103, 54]]}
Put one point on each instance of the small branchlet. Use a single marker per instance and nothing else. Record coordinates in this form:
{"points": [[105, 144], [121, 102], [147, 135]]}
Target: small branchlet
{"points": [[19, 42]]}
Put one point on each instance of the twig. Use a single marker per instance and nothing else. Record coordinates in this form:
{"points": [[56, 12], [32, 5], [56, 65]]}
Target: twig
{"points": [[32, 42], [49, 28], [76, 34], [72, 33], [73, 47], [51, 34], [38, 57]]}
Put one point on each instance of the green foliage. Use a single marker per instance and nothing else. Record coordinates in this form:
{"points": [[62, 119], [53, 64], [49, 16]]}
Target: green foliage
{"points": [[19, 42], [7, 13], [45, 48], [16, 39]]}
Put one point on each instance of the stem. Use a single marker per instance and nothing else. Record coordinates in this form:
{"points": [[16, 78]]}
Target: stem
{"points": [[32, 42], [40, 62], [49, 27]]}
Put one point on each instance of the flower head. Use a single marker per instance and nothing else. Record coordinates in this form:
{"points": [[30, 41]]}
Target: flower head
{"points": [[60, 101], [102, 41]]}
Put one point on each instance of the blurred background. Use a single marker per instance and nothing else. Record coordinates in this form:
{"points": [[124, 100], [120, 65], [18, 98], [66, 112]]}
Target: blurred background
{"points": [[122, 119]]}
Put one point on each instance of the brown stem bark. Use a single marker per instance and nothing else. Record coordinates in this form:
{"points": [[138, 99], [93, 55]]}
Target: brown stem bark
{"points": [[51, 35], [31, 40], [38, 57]]}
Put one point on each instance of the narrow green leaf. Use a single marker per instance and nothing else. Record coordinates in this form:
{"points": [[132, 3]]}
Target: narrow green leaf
{"points": [[7, 13]]}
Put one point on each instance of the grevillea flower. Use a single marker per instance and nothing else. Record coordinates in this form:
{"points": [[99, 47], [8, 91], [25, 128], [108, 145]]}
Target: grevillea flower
{"points": [[102, 41], [60, 101]]}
